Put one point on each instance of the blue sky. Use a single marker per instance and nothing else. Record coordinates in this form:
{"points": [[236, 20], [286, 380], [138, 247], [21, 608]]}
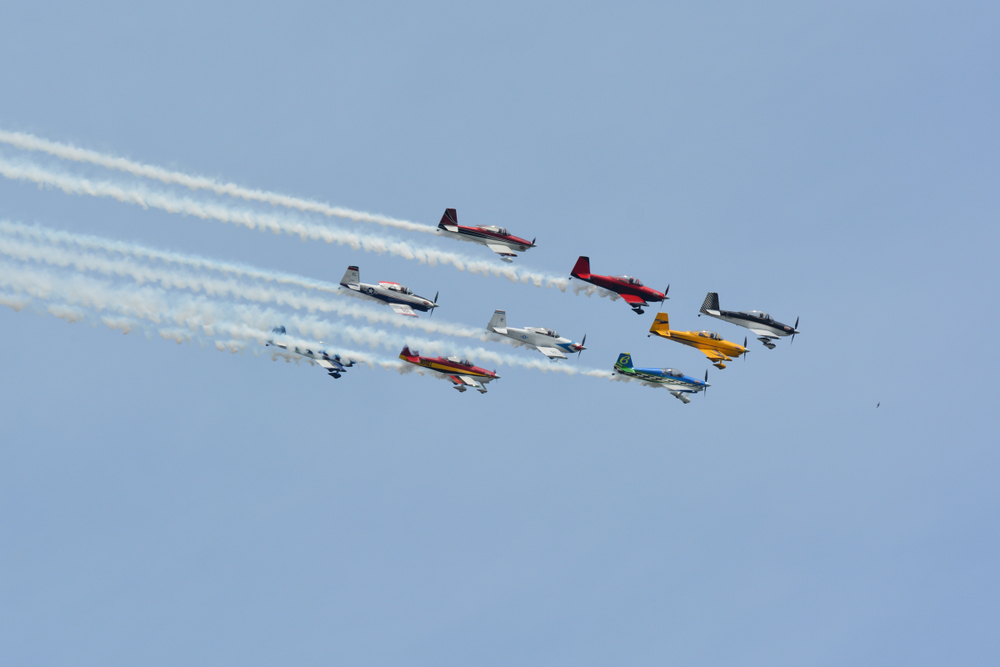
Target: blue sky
{"points": [[169, 503]]}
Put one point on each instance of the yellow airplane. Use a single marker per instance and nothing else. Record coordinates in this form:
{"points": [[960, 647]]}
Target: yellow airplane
{"points": [[710, 343]]}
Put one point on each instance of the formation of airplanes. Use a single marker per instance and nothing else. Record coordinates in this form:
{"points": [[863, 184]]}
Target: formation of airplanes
{"points": [[465, 375]]}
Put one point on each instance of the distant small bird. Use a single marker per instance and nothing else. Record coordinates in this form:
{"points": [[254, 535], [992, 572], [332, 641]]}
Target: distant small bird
{"points": [[878, 404]]}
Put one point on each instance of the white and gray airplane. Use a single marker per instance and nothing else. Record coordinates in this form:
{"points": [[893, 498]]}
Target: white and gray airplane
{"points": [[767, 329], [546, 341], [333, 363], [401, 299]]}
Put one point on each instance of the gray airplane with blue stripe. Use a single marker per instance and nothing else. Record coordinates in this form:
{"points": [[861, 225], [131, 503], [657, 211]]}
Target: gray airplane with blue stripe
{"points": [[767, 329]]}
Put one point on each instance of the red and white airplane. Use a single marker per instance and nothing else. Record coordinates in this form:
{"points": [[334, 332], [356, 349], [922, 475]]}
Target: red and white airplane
{"points": [[631, 289], [460, 371], [497, 239]]}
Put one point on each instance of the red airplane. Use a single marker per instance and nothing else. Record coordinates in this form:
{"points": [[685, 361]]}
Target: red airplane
{"points": [[460, 371], [631, 289], [497, 239]]}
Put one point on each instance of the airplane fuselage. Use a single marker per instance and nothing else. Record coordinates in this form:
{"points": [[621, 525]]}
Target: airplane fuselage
{"points": [[767, 326]]}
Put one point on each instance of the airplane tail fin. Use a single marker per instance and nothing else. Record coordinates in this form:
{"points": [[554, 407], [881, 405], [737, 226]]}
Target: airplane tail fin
{"points": [[711, 302], [498, 323], [450, 217], [351, 277], [661, 325], [406, 354], [582, 268], [279, 330], [624, 360]]}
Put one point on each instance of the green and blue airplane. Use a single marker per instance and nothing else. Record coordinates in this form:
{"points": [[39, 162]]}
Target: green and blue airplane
{"points": [[674, 381]]}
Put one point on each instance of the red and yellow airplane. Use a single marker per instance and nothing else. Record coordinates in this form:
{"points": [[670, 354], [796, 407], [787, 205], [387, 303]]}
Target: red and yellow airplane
{"points": [[631, 289], [460, 371], [710, 343]]}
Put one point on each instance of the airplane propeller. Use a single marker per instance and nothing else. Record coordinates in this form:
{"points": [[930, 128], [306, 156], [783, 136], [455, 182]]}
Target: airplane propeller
{"points": [[435, 303], [746, 349], [533, 240], [705, 390], [665, 297], [794, 329], [582, 343]]}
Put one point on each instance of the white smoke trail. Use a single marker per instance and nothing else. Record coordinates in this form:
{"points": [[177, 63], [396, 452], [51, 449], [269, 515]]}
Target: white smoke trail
{"points": [[238, 321], [284, 224], [88, 242], [30, 142], [170, 278]]}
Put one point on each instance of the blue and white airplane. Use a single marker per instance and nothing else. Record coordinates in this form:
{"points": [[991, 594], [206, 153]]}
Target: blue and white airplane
{"points": [[674, 381], [546, 341], [333, 363]]}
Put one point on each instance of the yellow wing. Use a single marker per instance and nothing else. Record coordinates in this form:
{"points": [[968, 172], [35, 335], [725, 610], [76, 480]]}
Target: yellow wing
{"points": [[713, 354]]}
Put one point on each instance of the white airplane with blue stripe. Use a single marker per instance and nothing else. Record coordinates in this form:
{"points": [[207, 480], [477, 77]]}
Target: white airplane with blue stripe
{"points": [[546, 341]]}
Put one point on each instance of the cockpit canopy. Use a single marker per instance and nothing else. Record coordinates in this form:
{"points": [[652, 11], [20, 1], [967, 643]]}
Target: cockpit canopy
{"points": [[709, 334], [673, 372], [460, 361], [396, 287], [757, 313], [630, 280], [493, 228], [547, 332]]}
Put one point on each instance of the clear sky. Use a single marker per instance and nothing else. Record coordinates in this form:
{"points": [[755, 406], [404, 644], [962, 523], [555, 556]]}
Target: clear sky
{"points": [[165, 504]]}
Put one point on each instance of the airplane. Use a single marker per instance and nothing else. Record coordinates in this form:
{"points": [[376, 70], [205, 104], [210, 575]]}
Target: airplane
{"points": [[676, 382], [710, 343], [334, 364], [546, 341], [756, 321], [400, 299], [460, 371], [497, 239], [631, 289]]}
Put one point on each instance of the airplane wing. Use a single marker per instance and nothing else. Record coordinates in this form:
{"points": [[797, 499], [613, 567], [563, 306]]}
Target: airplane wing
{"points": [[633, 300], [713, 354], [501, 249], [762, 332], [403, 309], [462, 381], [330, 365], [552, 352]]}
